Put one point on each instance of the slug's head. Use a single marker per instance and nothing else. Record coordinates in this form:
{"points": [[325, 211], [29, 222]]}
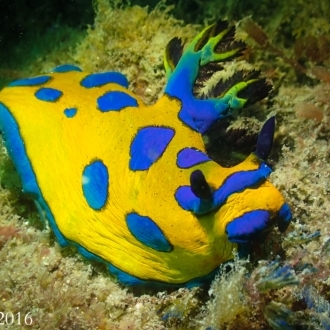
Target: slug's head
{"points": [[245, 205]]}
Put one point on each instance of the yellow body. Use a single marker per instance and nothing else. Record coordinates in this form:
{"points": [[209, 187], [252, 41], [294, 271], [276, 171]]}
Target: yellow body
{"points": [[59, 148], [131, 185]]}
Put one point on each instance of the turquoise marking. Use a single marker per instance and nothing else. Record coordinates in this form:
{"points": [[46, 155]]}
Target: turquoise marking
{"points": [[95, 184], [103, 78], [147, 232], [48, 94], [35, 81]]}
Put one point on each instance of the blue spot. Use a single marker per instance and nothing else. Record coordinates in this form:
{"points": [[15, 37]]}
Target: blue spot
{"points": [[148, 145], [66, 68], [147, 232], [48, 94], [190, 202], [35, 81], [115, 101], [189, 157], [248, 227], [103, 78], [70, 112], [95, 184], [242, 180], [235, 183]]}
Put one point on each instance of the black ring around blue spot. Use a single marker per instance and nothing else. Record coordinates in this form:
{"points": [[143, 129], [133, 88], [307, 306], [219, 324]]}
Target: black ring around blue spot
{"points": [[66, 68], [189, 157], [35, 81], [95, 184], [115, 101], [147, 232], [103, 78], [70, 112], [48, 94]]}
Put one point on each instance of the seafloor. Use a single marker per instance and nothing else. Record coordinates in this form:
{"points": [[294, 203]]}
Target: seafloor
{"points": [[286, 285]]}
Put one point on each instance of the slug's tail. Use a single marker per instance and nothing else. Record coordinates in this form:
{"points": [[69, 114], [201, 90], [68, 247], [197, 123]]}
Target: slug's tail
{"points": [[205, 56]]}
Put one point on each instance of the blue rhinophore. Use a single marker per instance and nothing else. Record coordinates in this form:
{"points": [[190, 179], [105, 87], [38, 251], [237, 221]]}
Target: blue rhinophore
{"points": [[148, 146], [66, 68], [189, 157], [35, 81], [103, 78], [199, 186], [115, 101], [265, 139], [248, 227], [95, 184], [237, 182], [48, 94], [145, 230], [70, 112]]}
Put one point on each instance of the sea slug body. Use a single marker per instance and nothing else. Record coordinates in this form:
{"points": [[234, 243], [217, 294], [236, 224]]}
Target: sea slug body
{"points": [[131, 185]]}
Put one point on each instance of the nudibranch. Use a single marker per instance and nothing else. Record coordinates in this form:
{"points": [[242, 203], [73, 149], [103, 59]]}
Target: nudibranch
{"points": [[131, 185]]}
